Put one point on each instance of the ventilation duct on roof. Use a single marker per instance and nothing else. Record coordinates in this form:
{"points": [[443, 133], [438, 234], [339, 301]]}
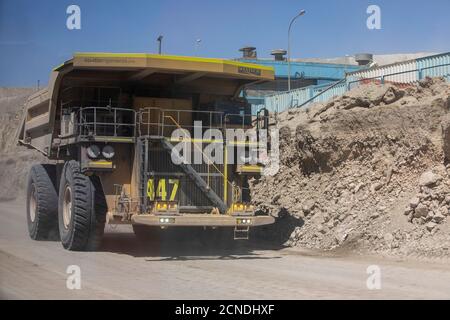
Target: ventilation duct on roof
{"points": [[279, 54], [363, 59], [248, 52]]}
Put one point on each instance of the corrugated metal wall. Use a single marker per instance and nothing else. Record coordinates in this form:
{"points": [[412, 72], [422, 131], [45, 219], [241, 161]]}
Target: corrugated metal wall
{"points": [[285, 100], [399, 73], [435, 66], [404, 72], [333, 92]]}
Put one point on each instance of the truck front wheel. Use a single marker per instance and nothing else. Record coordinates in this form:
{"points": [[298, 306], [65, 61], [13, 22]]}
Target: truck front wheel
{"points": [[42, 202], [81, 209]]}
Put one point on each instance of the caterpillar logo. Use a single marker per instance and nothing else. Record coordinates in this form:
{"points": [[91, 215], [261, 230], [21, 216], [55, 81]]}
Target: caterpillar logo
{"points": [[247, 70]]}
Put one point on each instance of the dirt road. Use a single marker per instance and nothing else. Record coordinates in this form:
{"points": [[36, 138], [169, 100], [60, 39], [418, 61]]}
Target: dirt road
{"points": [[186, 270]]}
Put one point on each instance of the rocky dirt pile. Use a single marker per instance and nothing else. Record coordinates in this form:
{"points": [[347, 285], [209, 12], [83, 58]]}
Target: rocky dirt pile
{"points": [[431, 205], [368, 171], [14, 161]]}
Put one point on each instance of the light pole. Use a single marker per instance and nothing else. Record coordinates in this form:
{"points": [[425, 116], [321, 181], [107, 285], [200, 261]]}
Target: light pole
{"points": [[302, 12], [160, 38], [197, 45]]}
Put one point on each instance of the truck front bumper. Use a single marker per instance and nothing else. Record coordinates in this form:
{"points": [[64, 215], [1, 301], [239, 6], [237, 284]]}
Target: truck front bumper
{"points": [[201, 220]]}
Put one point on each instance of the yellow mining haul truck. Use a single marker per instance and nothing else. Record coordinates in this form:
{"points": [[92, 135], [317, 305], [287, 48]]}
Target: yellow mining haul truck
{"points": [[106, 123]]}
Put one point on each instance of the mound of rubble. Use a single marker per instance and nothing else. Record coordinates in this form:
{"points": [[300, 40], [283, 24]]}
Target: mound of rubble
{"points": [[15, 161], [367, 171]]}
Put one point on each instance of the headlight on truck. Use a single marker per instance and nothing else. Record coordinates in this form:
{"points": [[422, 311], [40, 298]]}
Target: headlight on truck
{"points": [[93, 151], [108, 152], [242, 207], [244, 221], [166, 206], [161, 206], [166, 220]]}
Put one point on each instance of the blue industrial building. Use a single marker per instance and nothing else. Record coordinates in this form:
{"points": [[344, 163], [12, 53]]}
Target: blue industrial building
{"points": [[402, 73], [303, 74]]}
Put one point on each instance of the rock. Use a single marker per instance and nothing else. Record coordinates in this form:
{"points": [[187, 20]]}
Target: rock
{"points": [[321, 229], [420, 211], [426, 83], [276, 198], [374, 215], [340, 238], [447, 199], [409, 100], [446, 137], [330, 224], [392, 95], [438, 217], [410, 217], [428, 179], [430, 226], [355, 102], [308, 207], [388, 237], [395, 245], [414, 202], [376, 186], [358, 187], [439, 103]]}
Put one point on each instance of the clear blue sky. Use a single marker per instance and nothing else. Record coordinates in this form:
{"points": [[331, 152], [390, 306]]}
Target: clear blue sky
{"points": [[34, 37]]}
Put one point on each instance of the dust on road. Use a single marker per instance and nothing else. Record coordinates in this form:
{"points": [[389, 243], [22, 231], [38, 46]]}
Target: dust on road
{"points": [[184, 269]]}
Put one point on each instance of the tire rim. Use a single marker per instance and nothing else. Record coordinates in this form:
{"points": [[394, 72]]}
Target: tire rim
{"points": [[67, 207], [33, 204]]}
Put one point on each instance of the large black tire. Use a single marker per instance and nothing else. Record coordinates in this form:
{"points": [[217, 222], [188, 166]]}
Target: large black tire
{"points": [[42, 202], [81, 209]]}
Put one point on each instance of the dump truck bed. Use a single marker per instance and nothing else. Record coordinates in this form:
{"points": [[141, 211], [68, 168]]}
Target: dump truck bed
{"points": [[209, 74]]}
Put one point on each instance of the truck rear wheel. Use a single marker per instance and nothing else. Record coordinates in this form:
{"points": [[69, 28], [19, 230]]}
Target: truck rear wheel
{"points": [[42, 202], [81, 209]]}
